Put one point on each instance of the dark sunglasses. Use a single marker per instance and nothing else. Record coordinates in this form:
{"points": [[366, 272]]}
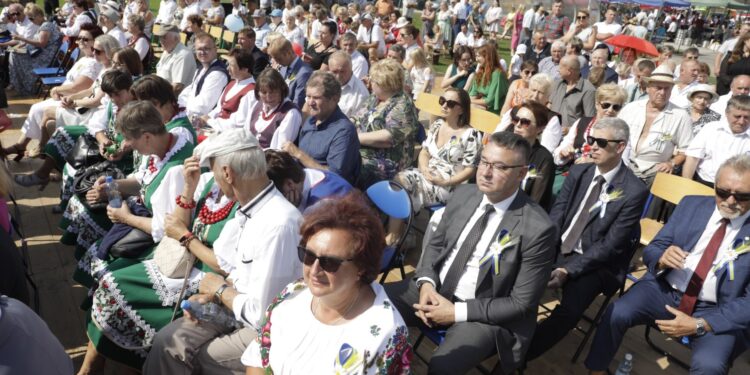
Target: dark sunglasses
{"points": [[601, 142], [451, 103], [616, 107], [328, 264], [582, 17], [84, 40], [529, 72], [725, 194], [519, 120]]}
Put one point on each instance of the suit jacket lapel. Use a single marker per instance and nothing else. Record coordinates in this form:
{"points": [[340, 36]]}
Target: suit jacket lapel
{"points": [[618, 182], [510, 221], [581, 188], [743, 233], [462, 217]]}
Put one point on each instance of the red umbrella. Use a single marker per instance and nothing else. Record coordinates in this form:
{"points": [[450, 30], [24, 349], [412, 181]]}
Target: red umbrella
{"points": [[629, 41]]}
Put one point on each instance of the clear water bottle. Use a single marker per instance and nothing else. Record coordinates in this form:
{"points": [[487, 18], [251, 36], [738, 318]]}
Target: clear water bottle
{"points": [[113, 192], [626, 365], [208, 312]]}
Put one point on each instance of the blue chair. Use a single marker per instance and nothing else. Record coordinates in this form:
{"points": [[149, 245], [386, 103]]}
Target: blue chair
{"points": [[393, 200], [57, 79], [57, 65]]}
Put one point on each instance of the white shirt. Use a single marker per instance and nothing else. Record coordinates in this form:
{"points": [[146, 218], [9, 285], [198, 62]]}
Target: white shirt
{"points": [[714, 144], [258, 249], [515, 64], [238, 118], [584, 34], [141, 46], [679, 279], [240, 10], [295, 35], [409, 12], [461, 10], [607, 28], [194, 8], [528, 19], [680, 97], [720, 106], [467, 284], [371, 36], [74, 29], [118, 34], [727, 46], [203, 103], [567, 142], [360, 67], [551, 135], [261, 36], [409, 49], [177, 66], [463, 39], [353, 96], [167, 8], [27, 29], [578, 248]]}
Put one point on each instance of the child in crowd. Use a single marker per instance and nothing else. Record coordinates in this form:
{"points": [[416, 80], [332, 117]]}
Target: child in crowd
{"points": [[420, 72]]}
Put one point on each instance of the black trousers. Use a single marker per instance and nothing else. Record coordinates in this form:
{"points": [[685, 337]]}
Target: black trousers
{"points": [[577, 296]]}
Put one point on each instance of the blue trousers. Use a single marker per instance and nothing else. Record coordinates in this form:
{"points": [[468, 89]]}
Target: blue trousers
{"points": [[642, 304]]}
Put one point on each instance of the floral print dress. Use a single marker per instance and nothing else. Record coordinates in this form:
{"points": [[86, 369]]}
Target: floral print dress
{"points": [[399, 117], [447, 160], [292, 341]]}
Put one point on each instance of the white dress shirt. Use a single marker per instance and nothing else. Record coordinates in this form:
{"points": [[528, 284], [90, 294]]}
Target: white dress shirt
{"points": [[167, 9], [467, 284], [360, 67], [720, 106], [679, 279], [353, 96], [27, 29], [236, 119], [680, 97], [177, 66], [258, 249], [607, 180], [714, 144], [461, 10], [74, 29], [203, 103]]}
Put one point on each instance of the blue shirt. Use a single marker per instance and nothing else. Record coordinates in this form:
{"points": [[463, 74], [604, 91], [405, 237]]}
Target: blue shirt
{"points": [[333, 143]]}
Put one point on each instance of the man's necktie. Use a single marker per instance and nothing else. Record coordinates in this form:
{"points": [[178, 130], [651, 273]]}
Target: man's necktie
{"points": [[577, 228], [456, 270], [687, 304]]}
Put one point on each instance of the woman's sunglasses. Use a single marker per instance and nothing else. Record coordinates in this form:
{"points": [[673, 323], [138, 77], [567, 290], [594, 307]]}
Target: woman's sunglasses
{"points": [[725, 194], [582, 17], [84, 40], [601, 142], [529, 72], [451, 103], [616, 107], [520, 120], [328, 264]]}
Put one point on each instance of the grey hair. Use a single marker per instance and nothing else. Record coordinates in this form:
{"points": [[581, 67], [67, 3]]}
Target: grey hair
{"points": [[571, 62], [327, 81], [109, 44], [341, 56], [249, 163], [558, 44], [739, 102], [542, 79], [617, 125], [739, 163]]}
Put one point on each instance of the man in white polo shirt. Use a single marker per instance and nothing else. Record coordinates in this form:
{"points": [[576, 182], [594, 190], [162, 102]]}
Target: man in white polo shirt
{"points": [[718, 141]]}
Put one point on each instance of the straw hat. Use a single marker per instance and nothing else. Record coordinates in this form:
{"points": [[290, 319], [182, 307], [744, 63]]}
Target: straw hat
{"points": [[661, 74], [703, 88]]}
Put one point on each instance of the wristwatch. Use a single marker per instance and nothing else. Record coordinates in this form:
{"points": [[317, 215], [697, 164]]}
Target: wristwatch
{"points": [[700, 327], [219, 292]]}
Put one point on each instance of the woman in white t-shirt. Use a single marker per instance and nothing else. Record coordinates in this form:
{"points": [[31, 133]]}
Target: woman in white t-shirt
{"points": [[215, 14], [290, 30], [337, 319], [420, 72]]}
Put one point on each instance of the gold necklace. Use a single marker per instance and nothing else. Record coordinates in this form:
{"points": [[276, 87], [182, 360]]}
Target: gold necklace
{"points": [[348, 309]]}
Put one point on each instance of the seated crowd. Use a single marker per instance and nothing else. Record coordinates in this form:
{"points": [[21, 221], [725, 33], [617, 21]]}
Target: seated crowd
{"points": [[214, 198]]}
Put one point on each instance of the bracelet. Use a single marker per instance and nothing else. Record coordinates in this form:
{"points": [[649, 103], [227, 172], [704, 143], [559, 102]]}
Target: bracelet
{"points": [[184, 205], [185, 239], [219, 292]]}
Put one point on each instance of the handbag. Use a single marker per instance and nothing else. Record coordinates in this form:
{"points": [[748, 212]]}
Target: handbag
{"points": [[84, 153], [132, 245], [172, 259], [85, 178]]}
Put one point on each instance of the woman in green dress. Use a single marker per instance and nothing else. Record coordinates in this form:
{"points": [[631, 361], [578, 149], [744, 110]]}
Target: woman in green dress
{"points": [[490, 85], [135, 300]]}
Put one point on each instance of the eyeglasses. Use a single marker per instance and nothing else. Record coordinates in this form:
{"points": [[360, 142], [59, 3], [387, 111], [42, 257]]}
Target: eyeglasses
{"points": [[328, 264], [725, 194], [616, 107], [582, 17], [85, 40], [497, 167], [692, 57], [601, 142], [528, 72], [525, 122], [451, 103], [98, 51]]}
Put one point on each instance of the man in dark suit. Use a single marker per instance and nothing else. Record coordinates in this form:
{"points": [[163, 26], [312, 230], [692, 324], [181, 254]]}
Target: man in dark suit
{"points": [[246, 40], [597, 214], [698, 280], [485, 268], [295, 71]]}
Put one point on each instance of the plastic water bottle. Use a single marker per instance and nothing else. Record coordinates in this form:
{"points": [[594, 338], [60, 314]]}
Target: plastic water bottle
{"points": [[208, 312], [626, 365], [113, 192]]}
